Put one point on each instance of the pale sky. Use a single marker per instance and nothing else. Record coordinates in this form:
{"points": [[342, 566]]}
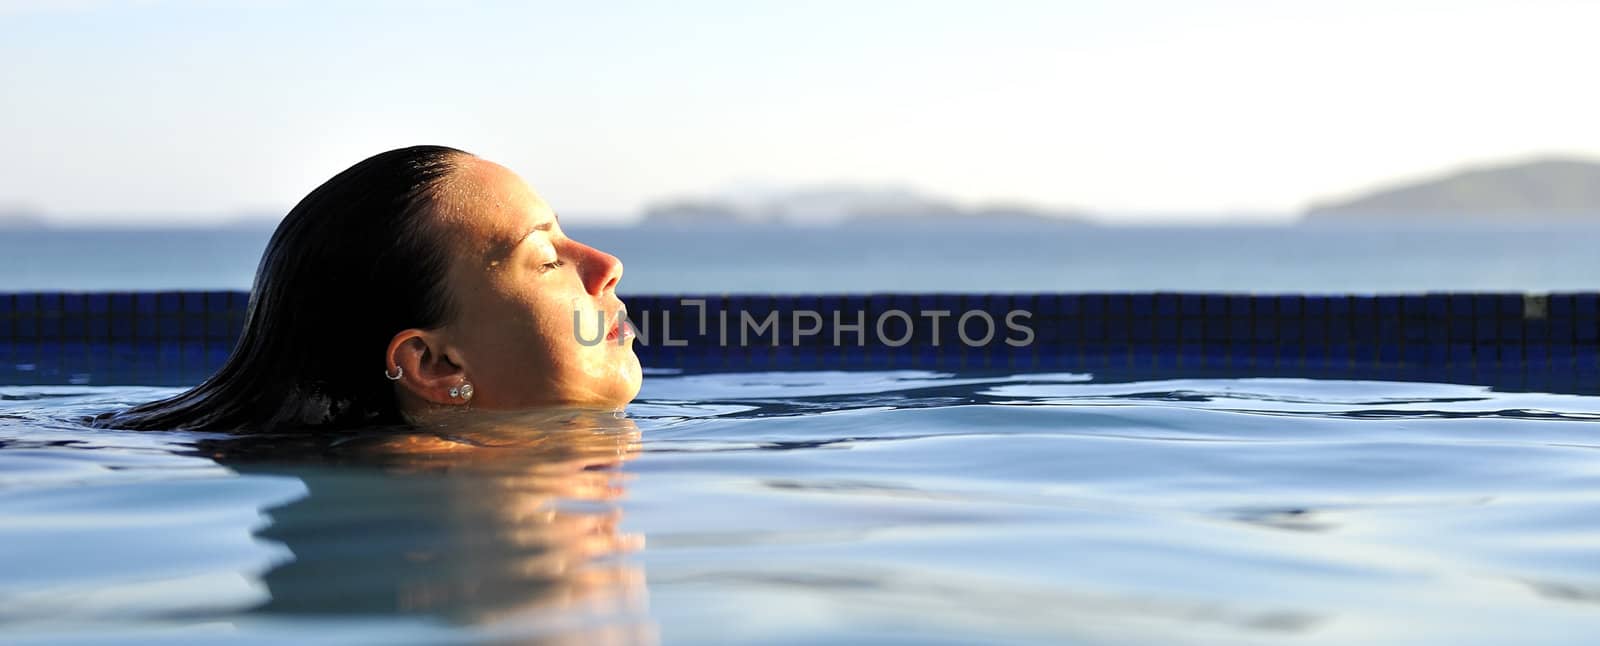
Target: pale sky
{"points": [[200, 110]]}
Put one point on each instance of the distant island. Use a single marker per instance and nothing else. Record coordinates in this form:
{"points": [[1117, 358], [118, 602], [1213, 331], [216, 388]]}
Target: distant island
{"points": [[16, 218], [1550, 187], [841, 206]]}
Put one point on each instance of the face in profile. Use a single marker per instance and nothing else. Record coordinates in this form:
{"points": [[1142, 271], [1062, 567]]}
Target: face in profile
{"points": [[537, 319]]}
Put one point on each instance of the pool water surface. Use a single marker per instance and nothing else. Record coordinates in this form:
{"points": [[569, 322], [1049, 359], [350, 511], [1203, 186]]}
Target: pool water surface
{"points": [[839, 507]]}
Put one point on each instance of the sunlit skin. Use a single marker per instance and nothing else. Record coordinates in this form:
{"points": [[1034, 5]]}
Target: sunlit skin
{"points": [[537, 320]]}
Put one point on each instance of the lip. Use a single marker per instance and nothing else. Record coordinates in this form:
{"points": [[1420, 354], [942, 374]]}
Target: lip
{"points": [[621, 327]]}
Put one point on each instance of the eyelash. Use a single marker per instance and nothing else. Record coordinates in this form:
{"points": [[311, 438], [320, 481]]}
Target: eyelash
{"points": [[552, 265]]}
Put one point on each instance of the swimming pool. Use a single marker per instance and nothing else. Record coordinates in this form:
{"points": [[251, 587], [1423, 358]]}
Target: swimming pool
{"points": [[883, 506], [1146, 468]]}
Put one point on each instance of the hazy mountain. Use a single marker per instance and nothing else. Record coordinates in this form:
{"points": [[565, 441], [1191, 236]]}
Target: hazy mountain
{"points": [[20, 218], [1550, 187], [837, 205]]}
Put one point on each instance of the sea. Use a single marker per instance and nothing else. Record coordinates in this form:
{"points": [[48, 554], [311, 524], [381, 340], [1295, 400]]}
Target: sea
{"points": [[1357, 258]]}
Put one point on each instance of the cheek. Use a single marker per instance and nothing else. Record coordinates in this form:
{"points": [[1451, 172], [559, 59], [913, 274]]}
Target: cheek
{"points": [[610, 372], [532, 350], [515, 339]]}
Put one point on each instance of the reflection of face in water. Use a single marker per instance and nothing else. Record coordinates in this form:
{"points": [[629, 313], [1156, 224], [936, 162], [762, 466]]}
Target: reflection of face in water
{"points": [[497, 518]]}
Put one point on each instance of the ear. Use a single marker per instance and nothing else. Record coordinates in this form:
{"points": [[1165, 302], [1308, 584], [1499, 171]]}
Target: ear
{"points": [[428, 371]]}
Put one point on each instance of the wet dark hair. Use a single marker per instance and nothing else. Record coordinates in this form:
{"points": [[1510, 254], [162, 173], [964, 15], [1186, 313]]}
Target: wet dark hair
{"points": [[361, 258]]}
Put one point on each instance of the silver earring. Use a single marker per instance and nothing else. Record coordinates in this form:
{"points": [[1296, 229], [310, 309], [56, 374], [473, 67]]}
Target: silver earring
{"points": [[398, 372], [462, 392]]}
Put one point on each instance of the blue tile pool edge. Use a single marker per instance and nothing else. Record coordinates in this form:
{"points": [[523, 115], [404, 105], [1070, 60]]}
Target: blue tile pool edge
{"points": [[1516, 340]]}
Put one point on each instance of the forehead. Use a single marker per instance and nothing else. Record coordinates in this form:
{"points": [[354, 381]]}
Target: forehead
{"points": [[492, 207]]}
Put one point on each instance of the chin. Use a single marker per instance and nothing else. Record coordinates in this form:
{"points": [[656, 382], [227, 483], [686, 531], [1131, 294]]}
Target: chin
{"points": [[633, 376]]}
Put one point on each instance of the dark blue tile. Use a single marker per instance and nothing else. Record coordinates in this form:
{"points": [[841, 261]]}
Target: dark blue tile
{"points": [[75, 327], [1511, 331], [1363, 307], [1561, 350], [1338, 329], [1291, 331], [1561, 305], [1240, 306], [1437, 305], [1564, 330], [1094, 330], [1118, 329], [1316, 306], [1510, 305], [1191, 305], [1414, 330], [1049, 306], [48, 323], [193, 325], [1388, 306], [1290, 306], [218, 302], [1316, 330], [1122, 304], [1487, 329], [1139, 329], [1586, 360], [1266, 330], [1389, 330], [192, 301], [1071, 305], [1193, 330], [1485, 306], [1216, 329], [1413, 306], [219, 327], [1141, 306], [1416, 354], [1093, 305], [1585, 331], [1340, 306], [1586, 304], [1537, 357], [1166, 329], [1167, 306], [1536, 331]]}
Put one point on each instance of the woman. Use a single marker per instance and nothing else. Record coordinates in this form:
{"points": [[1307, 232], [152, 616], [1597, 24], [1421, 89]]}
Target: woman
{"points": [[418, 282]]}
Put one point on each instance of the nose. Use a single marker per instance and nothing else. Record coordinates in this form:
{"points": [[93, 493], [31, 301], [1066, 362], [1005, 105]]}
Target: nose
{"points": [[600, 270]]}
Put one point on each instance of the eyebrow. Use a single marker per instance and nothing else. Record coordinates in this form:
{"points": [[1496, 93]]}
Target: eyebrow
{"points": [[502, 251]]}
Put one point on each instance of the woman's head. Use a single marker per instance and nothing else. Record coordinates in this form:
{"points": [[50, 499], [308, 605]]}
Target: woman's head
{"points": [[534, 318], [428, 263]]}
